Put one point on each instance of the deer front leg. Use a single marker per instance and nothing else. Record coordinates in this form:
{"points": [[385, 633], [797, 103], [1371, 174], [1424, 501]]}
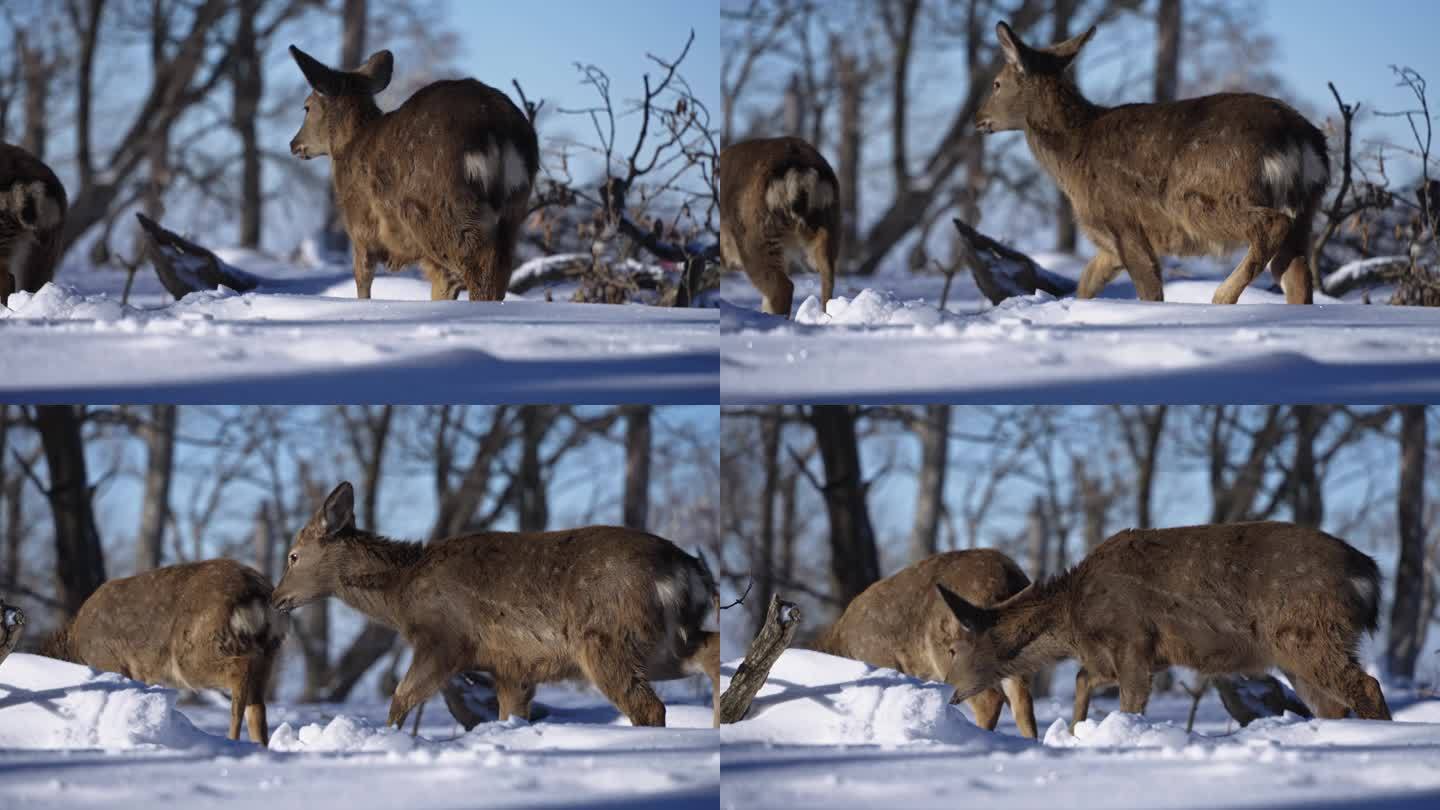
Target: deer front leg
{"points": [[1134, 677], [428, 672], [1102, 269], [364, 269], [513, 699]]}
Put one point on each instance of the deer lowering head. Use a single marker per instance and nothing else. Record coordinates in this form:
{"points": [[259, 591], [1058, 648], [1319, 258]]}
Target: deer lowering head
{"points": [[316, 562], [1206, 175], [341, 103]]}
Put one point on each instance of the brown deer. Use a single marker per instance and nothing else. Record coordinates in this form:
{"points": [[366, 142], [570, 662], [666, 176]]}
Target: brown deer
{"points": [[1202, 175], [202, 625], [12, 627], [901, 622], [444, 181], [1219, 599], [32, 214], [616, 606], [778, 198]]}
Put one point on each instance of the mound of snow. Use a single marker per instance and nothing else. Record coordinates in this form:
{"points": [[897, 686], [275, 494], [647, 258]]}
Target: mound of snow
{"points": [[59, 302], [869, 308], [1117, 730], [48, 704], [344, 733], [1424, 711], [816, 699]]}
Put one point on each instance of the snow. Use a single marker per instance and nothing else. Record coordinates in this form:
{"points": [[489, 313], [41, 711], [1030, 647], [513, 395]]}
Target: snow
{"points": [[71, 737], [817, 739], [303, 337], [883, 338]]}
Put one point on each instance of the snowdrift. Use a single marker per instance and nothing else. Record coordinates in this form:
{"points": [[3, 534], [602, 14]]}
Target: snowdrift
{"points": [[49, 704], [815, 699]]}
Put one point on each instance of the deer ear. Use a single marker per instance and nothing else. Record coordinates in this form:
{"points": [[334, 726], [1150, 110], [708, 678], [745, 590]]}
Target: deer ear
{"points": [[1070, 48], [1012, 46], [377, 69], [320, 78], [338, 513], [972, 619]]}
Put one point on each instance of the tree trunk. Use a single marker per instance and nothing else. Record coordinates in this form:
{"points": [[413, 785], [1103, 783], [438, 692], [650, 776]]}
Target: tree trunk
{"points": [[1037, 539], [636, 509], [851, 84], [854, 561], [248, 90], [1407, 626], [264, 541], [36, 75], [79, 559], [159, 436], [531, 507], [930, 483], [1307, 504], [765, 566], [1094, 506], [1066, 234], [777, 630], [1168, 21], [354, 22]]}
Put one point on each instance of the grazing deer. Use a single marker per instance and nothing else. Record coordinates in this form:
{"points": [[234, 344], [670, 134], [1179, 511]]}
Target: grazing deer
{"points": [[1219, 599], [12, 626], [32, 214], [900, 623], [444, 181], [1202, 175], [778, 198], [202, 625], [616, 606]]}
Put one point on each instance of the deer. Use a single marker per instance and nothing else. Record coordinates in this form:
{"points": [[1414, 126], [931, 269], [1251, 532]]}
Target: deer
{"points": [[615, 606], [199, 625], [1220, 599], [12, 627], [901, 623], [1204, 175], [32, 216], [443, 181], [779, 198]]}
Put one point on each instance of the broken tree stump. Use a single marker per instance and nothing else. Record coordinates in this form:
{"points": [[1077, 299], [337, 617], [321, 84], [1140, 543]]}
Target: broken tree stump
{"points": [[1002, 272], [185, 267], [782, 619], [1248, 698]]}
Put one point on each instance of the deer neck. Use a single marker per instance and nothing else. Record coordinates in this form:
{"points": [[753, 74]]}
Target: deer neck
{"points": [[374, 574], [1036, 631], [1056, 130], [347, 133]]}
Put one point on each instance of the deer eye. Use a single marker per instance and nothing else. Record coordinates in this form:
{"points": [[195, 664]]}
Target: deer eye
{"points": [[997, 84], [293, 557]]}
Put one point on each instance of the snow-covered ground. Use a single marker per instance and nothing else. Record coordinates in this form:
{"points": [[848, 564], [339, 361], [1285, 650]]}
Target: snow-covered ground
{"points": [[827, 732], [884, 339], [303, 337], [74, 738]]}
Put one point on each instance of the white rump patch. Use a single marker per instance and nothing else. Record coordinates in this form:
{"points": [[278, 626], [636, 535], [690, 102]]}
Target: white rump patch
{"points": [[1315, 174], [784, 193], [1292, 174], [256, 619], [1365, 588], [47, 211], [501, 168]]}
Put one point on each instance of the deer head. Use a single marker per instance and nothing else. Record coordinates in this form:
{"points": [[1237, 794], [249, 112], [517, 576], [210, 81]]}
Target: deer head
{"points": [[313, 567], [340, 103], [1030, 81]]}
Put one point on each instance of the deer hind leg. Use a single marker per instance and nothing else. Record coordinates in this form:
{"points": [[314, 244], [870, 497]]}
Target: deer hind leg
{"points": [[364, 270], [258, 679], [1085, 684], [513, 699], [1319, 703], [765, 265], [823, 251], [1102, 269], [616, 670], [1134, 678], [1291, 265], [1137, 257], [1022, 707], [986, 707], [237, 677], [1266, 230]]}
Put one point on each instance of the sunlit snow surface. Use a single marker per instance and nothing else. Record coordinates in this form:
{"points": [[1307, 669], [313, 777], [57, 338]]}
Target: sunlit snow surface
{"points": [[74, 738], [827, 732], [303, 337], [883, 339]]}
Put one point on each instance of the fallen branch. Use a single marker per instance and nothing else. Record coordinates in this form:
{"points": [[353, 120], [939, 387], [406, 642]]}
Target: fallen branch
{"points": [[1381, 270], [1002, 272], [1248, 698], [781, 621], [185, 267]]}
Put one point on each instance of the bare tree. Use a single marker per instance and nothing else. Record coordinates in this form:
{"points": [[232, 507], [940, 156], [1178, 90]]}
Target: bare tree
{"points": [[1407, 626], [79, 558], [854, 560], [934, 435], [635, 512], [158, 434]]}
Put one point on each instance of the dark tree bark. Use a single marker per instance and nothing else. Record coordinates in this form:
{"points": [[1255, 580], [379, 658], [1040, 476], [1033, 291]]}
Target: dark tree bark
{"points": [[777, 630], [1407, 625], [1168, 21], [263, 540], [854, 561], [770, 450], [1142, 427], [1094, 506], [249, 88], [636, 508], [1307, 501], [354, 23], [531, 505], [79, 559], [159, 437], [35, 73], [934, 435], [851, 86]]}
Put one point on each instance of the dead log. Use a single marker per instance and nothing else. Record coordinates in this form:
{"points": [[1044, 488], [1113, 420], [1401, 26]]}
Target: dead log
{"points": [[185, 267], [782, 619], [1248, 698], [1002, 272]]}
